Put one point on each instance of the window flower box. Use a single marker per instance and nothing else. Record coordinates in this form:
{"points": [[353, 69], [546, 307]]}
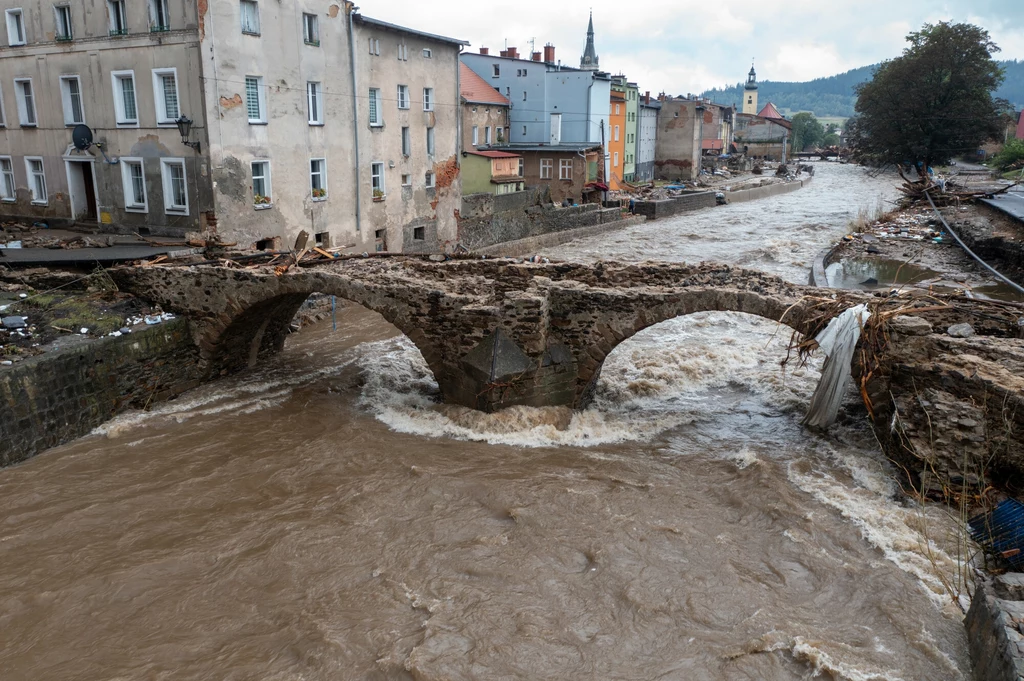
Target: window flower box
{"points": [[261, 202], [319, 193]]}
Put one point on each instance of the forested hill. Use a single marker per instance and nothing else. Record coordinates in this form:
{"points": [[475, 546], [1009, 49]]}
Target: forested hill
{"points": [[833, 96]]}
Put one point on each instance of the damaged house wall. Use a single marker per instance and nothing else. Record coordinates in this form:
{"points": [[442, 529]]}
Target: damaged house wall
{"points": [[678, 143], [81, 185], [421, 191], [760, 137], [280, 130]]}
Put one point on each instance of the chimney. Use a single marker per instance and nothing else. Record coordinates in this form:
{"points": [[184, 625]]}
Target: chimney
{"points": [[647, 97], [484, 50], [535, 56], [503, 53], [549, 53], [513, 53]]}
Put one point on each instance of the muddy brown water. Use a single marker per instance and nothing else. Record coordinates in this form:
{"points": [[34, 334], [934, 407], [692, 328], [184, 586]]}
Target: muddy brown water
{"points": [[322, 517]]}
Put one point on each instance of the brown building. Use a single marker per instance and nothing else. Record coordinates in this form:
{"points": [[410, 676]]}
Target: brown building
{"points": [[485, 111], [572, 170], [764, 135], [687, 129]]}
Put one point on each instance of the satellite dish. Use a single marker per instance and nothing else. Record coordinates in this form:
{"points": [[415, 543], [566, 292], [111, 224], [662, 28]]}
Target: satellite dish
{"points": [[82, 137]]}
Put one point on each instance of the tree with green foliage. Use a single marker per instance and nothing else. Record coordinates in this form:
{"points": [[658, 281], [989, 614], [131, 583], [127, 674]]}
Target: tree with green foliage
{"points": [[934, 102], [1011, 155], [807, 131]]}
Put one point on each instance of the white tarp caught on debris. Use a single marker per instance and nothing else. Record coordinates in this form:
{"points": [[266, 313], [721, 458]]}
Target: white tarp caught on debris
{"points": [[837, 341]]}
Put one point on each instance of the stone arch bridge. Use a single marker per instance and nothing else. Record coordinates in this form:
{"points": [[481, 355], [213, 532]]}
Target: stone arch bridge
{"points": [[498, 333]]}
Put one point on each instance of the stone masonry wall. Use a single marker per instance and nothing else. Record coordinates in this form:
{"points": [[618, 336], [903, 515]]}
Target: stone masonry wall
{"points": [[54, 398], [682, 204]]}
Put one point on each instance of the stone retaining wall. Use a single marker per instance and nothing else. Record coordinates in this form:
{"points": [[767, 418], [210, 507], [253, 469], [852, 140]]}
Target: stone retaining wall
{"points": [[534, 244], [54, 398], [663, 208]]}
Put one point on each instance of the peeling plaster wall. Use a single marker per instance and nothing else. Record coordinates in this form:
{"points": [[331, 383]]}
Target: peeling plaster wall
{"points": [[411, 205], [677, 147], [92, 56], [483, 116], [288, 141]]}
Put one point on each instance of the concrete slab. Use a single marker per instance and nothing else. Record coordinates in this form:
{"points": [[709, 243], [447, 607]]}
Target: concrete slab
{"points": [[25, 257], [1011, 203]]}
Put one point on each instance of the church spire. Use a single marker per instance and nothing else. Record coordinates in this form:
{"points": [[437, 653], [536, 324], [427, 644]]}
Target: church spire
{"points": [[588, 62]]}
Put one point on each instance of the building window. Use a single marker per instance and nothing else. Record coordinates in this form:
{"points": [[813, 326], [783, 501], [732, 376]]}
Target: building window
{"points": [[428, 99], [314, 95], [117, 16], [250, 12], [165, 95], [62, 22], [616, 109], [419, 233], [318, 178], [406, 180], [255, 99], [375, 110], [616, 133], [8, 190], [427, 54], [172, 174], [158, 17], [403, 52], [522, 167], [15, 28], [406, 142], [311, 30], [496, 72], [545, 168], [524, 131], [476, 135], [429, 180], [487, 135], [133, 180], [565, 169], [261, 196], [375, 47], [125, 109], [524, 95], [71, 98], [377, 180], [430, 141], [403, 96], [36, 179], [26, 102], [615, 159]]}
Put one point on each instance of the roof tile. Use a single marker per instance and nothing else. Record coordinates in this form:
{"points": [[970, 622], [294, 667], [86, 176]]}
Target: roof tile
{"points": [[476, 90]]}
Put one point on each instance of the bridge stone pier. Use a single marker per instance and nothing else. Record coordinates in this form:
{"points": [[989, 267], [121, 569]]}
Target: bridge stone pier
{"points": [[495, 333]]}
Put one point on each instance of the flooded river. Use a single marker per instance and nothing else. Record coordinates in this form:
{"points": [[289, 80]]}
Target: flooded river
{"points": [[323, 518]]}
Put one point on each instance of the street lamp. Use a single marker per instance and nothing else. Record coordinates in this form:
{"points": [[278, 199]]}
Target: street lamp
{"points": [[185, 130]]}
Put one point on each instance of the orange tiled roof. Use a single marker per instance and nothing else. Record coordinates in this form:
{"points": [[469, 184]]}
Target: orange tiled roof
{"points": [[769, 111], [492, 154], [476, 90]]}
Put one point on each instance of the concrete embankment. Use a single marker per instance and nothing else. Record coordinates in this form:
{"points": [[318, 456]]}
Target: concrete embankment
{"points": [[56, 397], [766, 191]]}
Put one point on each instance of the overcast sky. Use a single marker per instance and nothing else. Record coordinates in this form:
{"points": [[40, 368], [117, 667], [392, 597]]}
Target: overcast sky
{"points": [[683, 46]]}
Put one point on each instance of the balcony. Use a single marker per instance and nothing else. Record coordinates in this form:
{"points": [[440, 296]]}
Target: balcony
{"points": [[118, 32], [156, 28], [63, 38]]}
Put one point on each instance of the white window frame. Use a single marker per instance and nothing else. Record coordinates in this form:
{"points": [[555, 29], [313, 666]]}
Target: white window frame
{"points": [[376, 107], [615, 159], [315, 102], [245, 27], [310, 29], [546, 168], [381, 185], [57, 11], [407, 179], [403, 96], [565, 169], [128, 184], [36, 201], [431, 141], [156, 8], [323, 178], [8, 194], [487, 134], [159, 97], [496, 71], [23, 103], [15, 24], [375, 47], [406, 141], [3, 111], [268, 187], [261, 101], [117, 13], [403, 52], [120, 112], [67, 102], [616, 133], [476, 135], [428, 53], [171, 208], [428, 99], [429, 180]]}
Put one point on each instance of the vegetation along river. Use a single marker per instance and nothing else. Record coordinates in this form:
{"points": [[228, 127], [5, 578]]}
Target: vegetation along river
{"points": [[322, 517]]}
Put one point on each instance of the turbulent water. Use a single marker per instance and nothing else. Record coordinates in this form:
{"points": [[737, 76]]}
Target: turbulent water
{"points": [[324, 518]]}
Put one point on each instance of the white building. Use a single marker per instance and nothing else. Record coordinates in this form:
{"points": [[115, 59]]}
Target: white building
{"points": [[285, 136]]}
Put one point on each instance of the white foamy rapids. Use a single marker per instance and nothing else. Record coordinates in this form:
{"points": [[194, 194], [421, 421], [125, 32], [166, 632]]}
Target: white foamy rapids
{"points": [[237, 396], [907, 536], [656, 381]]}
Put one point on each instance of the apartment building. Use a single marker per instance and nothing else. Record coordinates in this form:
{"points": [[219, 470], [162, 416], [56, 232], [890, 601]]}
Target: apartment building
{"points": [[303, 115], [128, 71]]}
